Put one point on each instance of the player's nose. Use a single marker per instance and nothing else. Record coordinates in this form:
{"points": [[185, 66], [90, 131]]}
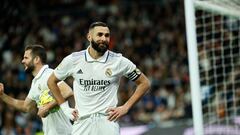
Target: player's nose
{"points": [[22, 61], [104, 38]]}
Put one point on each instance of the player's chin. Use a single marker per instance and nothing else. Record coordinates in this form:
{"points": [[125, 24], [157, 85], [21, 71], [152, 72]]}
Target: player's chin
{"points": [[102, 46]]}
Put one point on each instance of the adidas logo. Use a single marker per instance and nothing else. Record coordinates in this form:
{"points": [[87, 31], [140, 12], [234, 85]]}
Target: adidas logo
{"points": [[80, 71]]}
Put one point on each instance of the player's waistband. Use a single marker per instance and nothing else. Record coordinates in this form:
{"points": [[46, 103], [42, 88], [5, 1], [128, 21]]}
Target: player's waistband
{"points": [[93, 115]]}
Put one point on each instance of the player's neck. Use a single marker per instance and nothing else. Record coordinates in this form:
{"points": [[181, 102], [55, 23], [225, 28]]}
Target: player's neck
{"points": [[36, 70], [94, 54]]}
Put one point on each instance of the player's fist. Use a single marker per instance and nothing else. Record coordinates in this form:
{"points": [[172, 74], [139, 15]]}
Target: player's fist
{"points": [[43, 111], [1, 89], [69, 112]]}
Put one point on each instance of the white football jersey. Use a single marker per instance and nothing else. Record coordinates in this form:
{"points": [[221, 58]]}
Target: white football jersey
{"points": [[96, 81], [56, 123]]}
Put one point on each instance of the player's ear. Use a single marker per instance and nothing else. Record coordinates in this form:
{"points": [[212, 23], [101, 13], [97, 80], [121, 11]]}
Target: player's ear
{"points": [[37, 59], [89, 36]]}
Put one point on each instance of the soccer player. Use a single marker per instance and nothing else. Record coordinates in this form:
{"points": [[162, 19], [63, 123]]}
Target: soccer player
{"points": [[54, 120], [97, 72]]}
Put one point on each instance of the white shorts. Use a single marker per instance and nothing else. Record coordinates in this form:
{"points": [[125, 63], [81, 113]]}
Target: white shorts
{"points": [[95, 124]]}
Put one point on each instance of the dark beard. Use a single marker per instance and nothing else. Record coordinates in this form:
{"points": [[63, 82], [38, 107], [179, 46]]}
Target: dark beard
{"points": [[100, 49], [30, 68]]}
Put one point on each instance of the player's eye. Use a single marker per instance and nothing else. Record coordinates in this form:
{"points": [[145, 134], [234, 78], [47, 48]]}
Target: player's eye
{"points": [[100, 34], [107, 35]]}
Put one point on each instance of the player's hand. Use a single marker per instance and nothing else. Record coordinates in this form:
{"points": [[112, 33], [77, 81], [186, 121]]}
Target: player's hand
{"points": [[43, 111], [115, 113], [69, 112], [1, 89]]}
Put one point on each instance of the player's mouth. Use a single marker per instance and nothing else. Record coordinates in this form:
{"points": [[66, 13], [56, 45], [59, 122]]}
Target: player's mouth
{"points": [[25, 67], [102, 45]]}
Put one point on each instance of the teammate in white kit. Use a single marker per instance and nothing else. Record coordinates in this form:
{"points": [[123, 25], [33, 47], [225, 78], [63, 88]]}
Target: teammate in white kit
{"points": [[97, 72], [54, 120]]}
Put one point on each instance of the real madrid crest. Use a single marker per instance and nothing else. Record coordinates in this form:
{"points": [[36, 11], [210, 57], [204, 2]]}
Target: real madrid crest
{"points": [[108, 72]]}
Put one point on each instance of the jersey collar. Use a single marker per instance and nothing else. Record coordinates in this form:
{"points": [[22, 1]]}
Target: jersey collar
{"points": [[41, 71], [102, 59]]}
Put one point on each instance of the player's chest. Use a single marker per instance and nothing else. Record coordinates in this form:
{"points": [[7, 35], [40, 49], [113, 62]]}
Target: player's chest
{"points": [[39, 86], [96, 71], [37, 89]]}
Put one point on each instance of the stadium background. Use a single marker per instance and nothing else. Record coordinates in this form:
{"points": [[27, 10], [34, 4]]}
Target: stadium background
{"points": [[151, 33]]}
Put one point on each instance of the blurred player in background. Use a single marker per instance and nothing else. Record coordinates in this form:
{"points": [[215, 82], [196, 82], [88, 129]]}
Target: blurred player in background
{"points": [[97, 72], [39, 96]]}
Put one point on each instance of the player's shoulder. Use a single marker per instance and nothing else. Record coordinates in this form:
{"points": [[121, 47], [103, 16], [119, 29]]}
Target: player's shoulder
{"points": [[117, 56], [76, 55], [48, 72], [114, 54], [49, 69]]}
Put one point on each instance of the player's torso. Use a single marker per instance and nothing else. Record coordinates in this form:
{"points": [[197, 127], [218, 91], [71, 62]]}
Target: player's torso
{"points": [[56, 121], [39, 87], [96, 77], [96, 83], [56, 124]]}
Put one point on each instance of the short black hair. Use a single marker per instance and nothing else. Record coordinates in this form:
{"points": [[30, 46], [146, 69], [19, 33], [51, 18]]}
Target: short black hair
{"points": [[94, 24], [38, 50]]}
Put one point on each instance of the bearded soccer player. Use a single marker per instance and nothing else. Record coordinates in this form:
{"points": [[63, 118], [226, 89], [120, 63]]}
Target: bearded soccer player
{"points": [[54, 120], [97, 72]]}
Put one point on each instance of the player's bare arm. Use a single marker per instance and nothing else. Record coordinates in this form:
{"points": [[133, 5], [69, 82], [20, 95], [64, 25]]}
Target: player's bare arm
{"points": [[143, 85], [26, 105], [43, 110], [66, 92], [52, 84]]}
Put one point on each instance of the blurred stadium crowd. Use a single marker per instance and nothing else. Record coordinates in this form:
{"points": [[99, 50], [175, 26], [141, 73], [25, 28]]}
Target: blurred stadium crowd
{"points": [[150, 33]]}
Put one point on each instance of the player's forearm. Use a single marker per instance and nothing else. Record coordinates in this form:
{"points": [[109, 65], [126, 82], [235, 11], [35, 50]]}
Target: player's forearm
{"points": [[55, 103], [67, 94], [141, 89], [52, 104], [17, 104], [52, 84], [56, 92], [65, 89]]}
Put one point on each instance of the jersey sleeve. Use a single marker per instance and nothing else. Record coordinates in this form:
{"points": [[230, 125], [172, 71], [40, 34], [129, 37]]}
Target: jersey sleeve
{"points": [[63, 70], [31, 94], [129, 69]]}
